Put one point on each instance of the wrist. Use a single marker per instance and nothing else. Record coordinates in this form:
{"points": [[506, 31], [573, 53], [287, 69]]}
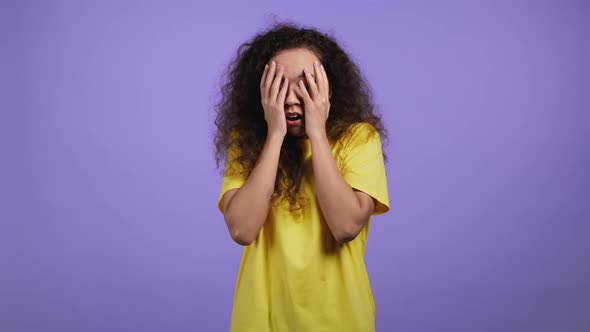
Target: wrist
{"points": [[273, 137], [316, 134]]}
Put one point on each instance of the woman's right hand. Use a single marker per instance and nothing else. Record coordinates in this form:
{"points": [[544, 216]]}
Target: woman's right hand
{"points": [[273, 99]]}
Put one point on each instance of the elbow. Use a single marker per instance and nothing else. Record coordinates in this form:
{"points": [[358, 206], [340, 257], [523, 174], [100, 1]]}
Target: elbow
{"points": [[349, 230], [345, 238], [239, 233], [347, 233], [242, 240]]}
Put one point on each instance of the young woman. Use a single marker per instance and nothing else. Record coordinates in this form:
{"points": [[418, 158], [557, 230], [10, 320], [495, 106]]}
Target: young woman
{"points": [[304, 173]]}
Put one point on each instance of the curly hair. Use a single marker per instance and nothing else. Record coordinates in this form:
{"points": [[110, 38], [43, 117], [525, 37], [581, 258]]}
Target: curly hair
{"points": [[240, 116]]}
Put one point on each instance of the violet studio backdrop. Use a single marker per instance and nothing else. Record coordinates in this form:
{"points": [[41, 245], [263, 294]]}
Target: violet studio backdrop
{"points": [[109, 219]]}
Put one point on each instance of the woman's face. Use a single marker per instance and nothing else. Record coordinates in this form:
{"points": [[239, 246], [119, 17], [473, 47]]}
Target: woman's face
{"points": [[294, 60]]}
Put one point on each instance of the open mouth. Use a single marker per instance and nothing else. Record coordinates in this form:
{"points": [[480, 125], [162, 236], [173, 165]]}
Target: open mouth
{"points": [[294, 119]]}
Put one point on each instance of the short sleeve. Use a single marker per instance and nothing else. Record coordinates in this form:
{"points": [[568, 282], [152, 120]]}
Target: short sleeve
{"points": [[363, 166], [232, 177]]}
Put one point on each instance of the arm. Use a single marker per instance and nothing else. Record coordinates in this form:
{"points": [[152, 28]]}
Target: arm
{"points": [[246, 208], [346, 210]]}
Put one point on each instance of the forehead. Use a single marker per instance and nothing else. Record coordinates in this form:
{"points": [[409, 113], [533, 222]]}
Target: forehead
{"points": [[294, 60]]}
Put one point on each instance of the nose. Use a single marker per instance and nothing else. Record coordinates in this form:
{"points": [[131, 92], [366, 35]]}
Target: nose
{"points": [[291, 97]]}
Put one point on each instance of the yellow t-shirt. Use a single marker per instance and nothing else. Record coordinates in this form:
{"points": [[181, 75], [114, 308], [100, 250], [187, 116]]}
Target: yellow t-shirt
{"points": [[295, 277]]}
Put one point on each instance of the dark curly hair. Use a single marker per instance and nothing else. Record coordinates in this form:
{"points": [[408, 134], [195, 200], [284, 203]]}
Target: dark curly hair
{"points": [[240, 116]]}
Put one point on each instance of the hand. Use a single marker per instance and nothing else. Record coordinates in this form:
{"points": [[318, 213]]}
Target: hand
{"points": [[316, 99], [273, 99]]}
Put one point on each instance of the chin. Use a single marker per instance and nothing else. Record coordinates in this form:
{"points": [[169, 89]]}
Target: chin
{"points": [[297, 133]]}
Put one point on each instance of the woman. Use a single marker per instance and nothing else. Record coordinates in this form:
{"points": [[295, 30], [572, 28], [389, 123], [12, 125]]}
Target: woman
{"points": [[304, 173]]}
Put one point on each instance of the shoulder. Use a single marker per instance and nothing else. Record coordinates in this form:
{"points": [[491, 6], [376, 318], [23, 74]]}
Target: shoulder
{"points": [[360, 133]]}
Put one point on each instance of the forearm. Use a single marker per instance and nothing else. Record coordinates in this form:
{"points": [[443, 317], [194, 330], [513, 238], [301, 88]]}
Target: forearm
{"points": [[249, 207], [338, 202]]}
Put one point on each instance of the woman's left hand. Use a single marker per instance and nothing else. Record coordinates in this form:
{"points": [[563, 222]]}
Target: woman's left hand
{"points": [[316, 99]]}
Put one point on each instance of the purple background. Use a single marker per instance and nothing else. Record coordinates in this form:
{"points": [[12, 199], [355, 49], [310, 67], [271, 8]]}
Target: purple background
{"points": [[108, 188]]}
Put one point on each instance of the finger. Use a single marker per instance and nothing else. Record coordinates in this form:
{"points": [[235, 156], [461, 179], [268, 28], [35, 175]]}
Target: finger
{"points": [[283, 92], [311, 82], [319, 77], [263, 78], [266, 81], [326, 82], [269, 76], [276, 84], [303, 92]]}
